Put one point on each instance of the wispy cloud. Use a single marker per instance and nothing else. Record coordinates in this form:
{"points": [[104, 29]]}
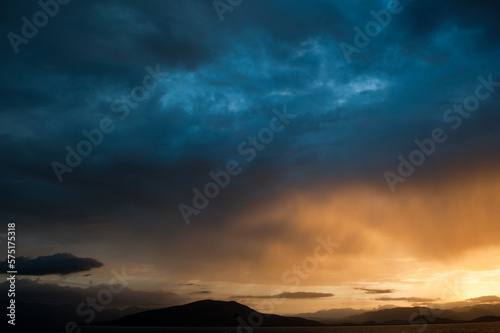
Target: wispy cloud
{"points": [[201, 292], [484, 299], [376, 291], [407, 299], [299, 294]]}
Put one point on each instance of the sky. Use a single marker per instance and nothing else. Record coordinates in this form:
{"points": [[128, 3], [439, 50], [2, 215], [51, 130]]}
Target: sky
{"points": [[292, 154]]}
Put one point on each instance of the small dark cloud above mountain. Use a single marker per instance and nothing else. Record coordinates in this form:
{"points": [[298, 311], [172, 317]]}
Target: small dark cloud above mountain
{"points": [[59, 263], [376, 291]]}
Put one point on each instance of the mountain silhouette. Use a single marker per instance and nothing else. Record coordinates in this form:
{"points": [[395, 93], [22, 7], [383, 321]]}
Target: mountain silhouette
{"points": [[403, 315], [210, 313]]}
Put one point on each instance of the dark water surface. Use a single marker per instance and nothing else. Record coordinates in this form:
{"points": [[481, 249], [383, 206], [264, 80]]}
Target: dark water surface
{"points": [[446, 328]]}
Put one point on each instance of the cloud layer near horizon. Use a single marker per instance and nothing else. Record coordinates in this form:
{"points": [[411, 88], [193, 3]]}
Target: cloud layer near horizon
{"points": [[39, 292]]}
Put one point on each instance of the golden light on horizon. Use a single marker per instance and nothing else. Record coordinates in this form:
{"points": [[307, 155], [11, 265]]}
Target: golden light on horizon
{"points": [[404, 239]]}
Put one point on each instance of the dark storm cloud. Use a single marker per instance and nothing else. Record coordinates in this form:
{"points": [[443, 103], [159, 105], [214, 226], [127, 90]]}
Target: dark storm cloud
{"points": [[106, 36], [376, 291], [353, 120], [298, 294], [60, 263], [429, 16]]}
